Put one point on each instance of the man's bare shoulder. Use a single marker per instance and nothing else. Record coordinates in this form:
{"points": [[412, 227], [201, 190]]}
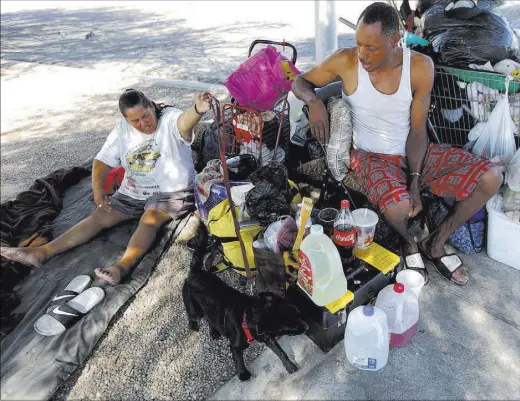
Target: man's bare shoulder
{"points": [[347, 56], [421, 63], [422, 72]]}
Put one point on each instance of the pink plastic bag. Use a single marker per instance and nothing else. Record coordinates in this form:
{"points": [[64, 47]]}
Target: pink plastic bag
{"points": [[260, 81]]}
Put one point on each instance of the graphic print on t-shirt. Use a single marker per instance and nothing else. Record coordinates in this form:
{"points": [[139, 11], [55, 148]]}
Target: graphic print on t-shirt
{"points": [[143, 158], [140, 176]]}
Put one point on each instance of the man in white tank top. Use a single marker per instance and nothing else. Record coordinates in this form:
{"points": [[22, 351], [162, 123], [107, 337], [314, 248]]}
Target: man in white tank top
{"points": [[388, 90]]}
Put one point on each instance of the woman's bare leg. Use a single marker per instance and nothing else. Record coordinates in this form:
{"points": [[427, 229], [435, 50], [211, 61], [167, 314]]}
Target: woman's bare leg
{"points": [[144, 236], [79, 234]]}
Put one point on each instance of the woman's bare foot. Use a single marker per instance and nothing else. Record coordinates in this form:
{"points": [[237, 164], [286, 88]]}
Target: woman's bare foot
{"points": [[112, 274], [31, 257]]}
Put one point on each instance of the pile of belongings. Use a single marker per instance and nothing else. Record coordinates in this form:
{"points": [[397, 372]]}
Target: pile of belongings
{"points": [[466, 32]]}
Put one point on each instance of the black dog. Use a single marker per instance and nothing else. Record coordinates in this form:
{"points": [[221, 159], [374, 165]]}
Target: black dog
{"points": [[241, 318]]}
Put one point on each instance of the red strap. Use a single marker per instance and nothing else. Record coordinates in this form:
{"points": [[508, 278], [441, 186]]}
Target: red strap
{"points": [[221, 133], [247, 332]]}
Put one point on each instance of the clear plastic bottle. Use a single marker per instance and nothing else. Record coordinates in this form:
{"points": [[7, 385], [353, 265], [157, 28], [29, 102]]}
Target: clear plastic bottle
{"points": [[401, 307], [320, 274], [366, 338], [344, 235]]}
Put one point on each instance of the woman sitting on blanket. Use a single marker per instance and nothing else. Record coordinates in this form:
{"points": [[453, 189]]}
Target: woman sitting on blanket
{"points": [[152, 143]]}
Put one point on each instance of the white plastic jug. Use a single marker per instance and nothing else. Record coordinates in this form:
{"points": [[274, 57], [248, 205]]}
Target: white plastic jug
{"points": [[366, 338], [320, 274], [401, 307]]}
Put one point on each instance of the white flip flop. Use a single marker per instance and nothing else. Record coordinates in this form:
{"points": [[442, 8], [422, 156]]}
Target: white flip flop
{"points": [[66, 315], [73, 289]]}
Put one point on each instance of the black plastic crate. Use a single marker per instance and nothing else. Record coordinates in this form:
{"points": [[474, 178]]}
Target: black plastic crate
{"points": [[327, 329]]}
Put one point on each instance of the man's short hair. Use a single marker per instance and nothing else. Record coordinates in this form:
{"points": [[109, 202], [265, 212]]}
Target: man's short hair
{"points": [[383, 13]]}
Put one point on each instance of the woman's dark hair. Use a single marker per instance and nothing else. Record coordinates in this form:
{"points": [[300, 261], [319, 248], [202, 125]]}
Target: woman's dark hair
{"points": [[131, 98]]}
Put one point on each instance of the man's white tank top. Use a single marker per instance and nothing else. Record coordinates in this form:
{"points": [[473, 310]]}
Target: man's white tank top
{"points": [[381, 122]]}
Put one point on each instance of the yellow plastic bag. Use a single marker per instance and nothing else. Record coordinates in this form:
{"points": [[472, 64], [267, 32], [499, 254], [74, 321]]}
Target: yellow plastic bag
{"points": [[220, 224]]}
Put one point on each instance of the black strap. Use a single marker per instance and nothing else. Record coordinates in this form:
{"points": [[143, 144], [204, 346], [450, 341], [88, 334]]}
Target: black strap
{"points": [[66, 315], [63, 297]]}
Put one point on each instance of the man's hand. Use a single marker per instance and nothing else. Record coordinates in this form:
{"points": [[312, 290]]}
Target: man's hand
{"points": [[319, 121], [415, 199], [203, 102], [101, 200]]}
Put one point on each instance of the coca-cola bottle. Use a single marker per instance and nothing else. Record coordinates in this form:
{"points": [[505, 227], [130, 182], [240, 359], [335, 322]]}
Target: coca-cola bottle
{"points": [[344, 235]]}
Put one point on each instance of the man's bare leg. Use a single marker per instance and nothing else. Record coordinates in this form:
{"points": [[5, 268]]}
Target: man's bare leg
{"points": [[397, 217], [488, 186], [79, 234], [151, 222]]}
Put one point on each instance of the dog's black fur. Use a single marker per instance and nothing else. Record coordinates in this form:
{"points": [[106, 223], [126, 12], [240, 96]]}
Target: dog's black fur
{"points": [[267, 316]]}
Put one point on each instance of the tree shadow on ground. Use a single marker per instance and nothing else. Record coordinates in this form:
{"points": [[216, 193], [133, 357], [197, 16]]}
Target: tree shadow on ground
{"points": [[146, 43]]}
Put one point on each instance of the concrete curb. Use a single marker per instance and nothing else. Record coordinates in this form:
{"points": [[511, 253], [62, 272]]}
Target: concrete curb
{"points": [[199, 86]]}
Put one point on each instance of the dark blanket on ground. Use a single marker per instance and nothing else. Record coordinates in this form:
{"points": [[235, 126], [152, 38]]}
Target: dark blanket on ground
{"points": [[27, 221], [34, 366]]}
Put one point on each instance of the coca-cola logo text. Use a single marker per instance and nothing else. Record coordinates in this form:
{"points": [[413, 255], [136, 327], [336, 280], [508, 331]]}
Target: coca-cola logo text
{"points": [[344, 239]]}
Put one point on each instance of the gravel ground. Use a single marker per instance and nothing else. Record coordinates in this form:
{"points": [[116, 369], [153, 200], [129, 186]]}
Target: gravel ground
{"points": [[148, 352]]}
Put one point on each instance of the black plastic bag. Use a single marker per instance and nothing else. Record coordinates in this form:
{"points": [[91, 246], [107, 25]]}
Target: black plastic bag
{"points": [[468, 36], [424, 5], [241, 167], [265, 203], [275, 174], [271, 196]]}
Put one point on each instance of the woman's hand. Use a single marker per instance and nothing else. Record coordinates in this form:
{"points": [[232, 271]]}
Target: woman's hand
{"points": [[101, 200], [203, 102]]}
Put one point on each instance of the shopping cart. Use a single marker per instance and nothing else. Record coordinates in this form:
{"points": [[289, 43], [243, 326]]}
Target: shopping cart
{"points": [[265, 134], [461, 98], [241, 130]]}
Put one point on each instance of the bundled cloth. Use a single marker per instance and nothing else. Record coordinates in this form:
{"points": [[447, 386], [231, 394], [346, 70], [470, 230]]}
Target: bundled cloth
{"points": [[340, 142], [27, 221], [211, 174]]}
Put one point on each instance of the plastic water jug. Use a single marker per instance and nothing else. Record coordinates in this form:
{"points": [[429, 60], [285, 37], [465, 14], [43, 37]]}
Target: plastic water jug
{"points": [[320, 274], [366, 338], [401, 307]]}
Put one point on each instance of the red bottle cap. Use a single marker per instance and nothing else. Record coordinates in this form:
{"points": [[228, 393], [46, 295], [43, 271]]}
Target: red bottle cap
{"points": [[399, 288], [345, 204]]}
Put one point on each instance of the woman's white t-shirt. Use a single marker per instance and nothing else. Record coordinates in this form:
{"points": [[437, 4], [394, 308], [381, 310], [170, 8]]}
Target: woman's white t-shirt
{"points": [[156, 163]]}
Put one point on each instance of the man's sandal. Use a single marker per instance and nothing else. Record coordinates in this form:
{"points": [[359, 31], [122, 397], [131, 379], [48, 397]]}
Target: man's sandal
{"points": [[446, 265], [415, 262]]}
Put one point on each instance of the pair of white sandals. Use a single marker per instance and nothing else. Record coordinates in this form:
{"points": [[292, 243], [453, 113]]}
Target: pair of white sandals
{"points": [[69, 306]]}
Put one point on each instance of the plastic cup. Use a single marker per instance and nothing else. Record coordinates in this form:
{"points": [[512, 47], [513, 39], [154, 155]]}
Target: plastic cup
{"points": [[326, 219], [412, 280], [366, 222]]}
